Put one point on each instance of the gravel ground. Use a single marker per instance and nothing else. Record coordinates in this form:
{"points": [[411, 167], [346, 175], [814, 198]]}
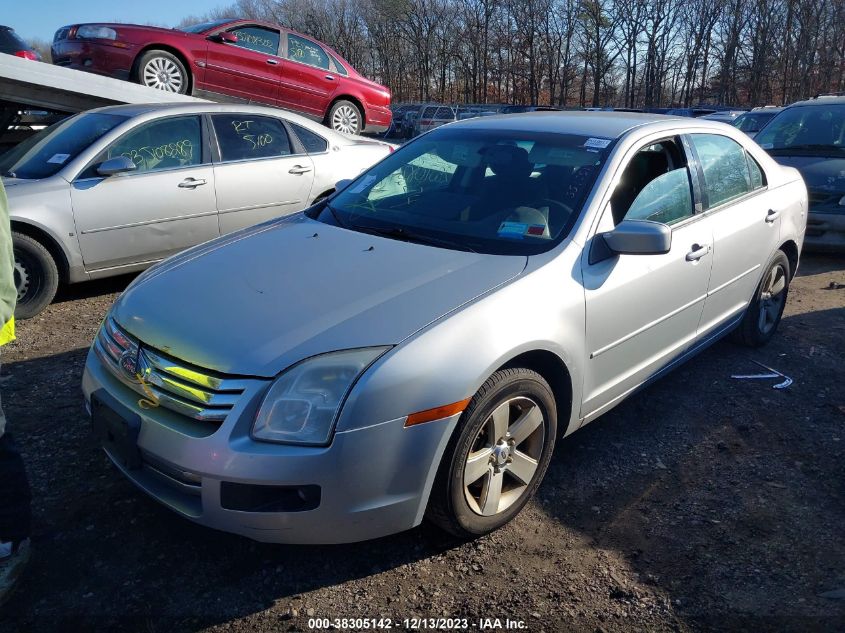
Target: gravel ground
{"points": [[701, 503]]}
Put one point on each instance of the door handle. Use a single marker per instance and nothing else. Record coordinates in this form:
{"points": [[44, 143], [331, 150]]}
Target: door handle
{"points": [[191, 183], [330, 77], [273, 61], [299, 170], [698, 251], [772, 215]]}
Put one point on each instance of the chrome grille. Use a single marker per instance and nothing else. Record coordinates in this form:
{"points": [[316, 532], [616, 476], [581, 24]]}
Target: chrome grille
{"points": [[164, 381]]}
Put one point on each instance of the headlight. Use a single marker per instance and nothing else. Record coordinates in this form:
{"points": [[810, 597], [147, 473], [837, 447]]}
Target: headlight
{"points": [[303, 403], [89, 31]]}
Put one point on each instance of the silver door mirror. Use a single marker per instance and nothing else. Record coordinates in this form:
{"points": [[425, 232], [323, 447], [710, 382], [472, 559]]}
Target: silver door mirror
{"points": [[340, 185], [116, 165], [639, 237]]}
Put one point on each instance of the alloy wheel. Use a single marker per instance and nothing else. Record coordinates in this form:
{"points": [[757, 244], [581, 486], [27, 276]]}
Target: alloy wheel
{"points": [[504, 457], [345, 119], [163, 74]]}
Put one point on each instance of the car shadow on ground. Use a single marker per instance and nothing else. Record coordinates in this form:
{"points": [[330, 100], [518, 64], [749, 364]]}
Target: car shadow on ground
{"points": [[700, 482]]}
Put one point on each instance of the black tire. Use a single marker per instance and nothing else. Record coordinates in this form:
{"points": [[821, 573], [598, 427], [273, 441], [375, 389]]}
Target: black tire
{"points": [[344, 116], [165, 67], [36, 275], [450, 506], [757, 328]]}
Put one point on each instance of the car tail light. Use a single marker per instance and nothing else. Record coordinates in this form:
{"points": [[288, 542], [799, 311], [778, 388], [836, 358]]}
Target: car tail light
{"points": [[27, 55]]}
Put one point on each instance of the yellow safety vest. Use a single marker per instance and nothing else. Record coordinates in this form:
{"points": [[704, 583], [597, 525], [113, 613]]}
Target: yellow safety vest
{"points": [[7, 334]]}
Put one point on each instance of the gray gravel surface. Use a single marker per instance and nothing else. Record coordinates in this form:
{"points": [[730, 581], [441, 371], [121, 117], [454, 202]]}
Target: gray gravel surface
{"points": [[702, 503]]}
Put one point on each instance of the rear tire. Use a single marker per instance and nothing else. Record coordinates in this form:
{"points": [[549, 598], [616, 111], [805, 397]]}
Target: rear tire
{"points": [[763, 314], [477, 489], [36, 276], [163, 71], [345, 117]]}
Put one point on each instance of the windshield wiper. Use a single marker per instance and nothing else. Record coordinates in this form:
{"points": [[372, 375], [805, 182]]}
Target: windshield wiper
{"points": [[809, 147], [404, 235]]}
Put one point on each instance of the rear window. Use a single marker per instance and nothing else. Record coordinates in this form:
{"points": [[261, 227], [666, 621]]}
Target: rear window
{"points": [[11, 42]]}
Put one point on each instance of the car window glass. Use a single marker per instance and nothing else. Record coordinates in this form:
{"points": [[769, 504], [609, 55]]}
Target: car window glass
{"points": [[244, 137], [164, 144], [444, 113], [313, 142], [725, 168], [757, 179], [338, 67], [808, 127], [48, 151], [666, 199], [257, 38], [307, 52]]}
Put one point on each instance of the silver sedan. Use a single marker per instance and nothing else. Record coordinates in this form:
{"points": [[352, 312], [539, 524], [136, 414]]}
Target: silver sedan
{"points": [[117, 189], [414, 345]]}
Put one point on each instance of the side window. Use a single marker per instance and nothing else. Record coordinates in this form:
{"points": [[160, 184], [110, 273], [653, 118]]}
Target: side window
{"points": [[666, 199], [758, 180], [725, 168], [164, 144], [244, 137], [258, 39], [307, 52], [338, 67], [313, 142]]}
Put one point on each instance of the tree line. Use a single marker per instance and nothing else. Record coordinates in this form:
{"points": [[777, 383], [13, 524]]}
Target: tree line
{"points": [[622, 53]]}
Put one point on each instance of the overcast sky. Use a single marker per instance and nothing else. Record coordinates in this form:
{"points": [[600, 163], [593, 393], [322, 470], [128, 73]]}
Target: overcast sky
{"points": [[41, 19]]}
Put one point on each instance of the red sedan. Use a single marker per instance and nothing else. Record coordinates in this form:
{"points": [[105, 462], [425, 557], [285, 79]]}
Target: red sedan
{"points": [[244, 61]]}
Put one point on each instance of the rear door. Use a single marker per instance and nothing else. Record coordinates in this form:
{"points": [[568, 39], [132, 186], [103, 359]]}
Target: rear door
{"points": [[166, 205], [249, 69], [308, 80], [746, 224], [259, 172]]}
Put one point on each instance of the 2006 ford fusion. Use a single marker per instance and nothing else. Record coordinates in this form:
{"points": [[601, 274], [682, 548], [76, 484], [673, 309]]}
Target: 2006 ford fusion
{"points": [[413, 346]]}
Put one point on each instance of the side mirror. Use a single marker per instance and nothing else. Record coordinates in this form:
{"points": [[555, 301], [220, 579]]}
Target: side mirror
{"points": [[116, 165], [224, 37], [639, 237], [340, 185]]}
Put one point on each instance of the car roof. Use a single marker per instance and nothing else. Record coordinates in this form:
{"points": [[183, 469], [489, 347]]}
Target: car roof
{"points": [[600, 124], [202, 107], [821, 100]]}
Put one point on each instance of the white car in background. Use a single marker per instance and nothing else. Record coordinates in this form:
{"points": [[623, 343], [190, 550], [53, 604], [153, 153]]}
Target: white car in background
{"points": [[117, 189]]}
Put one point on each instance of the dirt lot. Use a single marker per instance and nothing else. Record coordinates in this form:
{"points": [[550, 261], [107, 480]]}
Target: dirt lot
{"points": [[701, 503]]}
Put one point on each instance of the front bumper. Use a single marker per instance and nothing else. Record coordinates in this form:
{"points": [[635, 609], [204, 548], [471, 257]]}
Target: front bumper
{"points": [[825, 232], [370, 482]]}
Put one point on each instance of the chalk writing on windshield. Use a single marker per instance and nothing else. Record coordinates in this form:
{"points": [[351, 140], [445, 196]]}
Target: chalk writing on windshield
{"points": [[148, 157]]}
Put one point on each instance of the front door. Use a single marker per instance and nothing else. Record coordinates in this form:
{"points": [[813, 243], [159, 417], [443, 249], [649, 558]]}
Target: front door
{"points": [[643, 311], [257, 177], [166, 205], [249, 69]]}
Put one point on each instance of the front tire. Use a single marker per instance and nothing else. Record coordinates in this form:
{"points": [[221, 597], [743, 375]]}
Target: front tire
{"points": [[36, 276], [345, 117], [497, 456], [763, 314], [163, 71]]}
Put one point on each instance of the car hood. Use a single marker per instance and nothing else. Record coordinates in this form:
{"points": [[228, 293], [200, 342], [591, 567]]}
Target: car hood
{"points": [[820, 173], [257, 301]]}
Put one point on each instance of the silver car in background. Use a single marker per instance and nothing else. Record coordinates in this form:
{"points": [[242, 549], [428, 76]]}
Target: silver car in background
{"points": [[413, 345], [117, 189]]}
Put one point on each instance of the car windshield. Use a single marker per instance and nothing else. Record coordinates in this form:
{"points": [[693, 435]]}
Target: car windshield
{"points": [[203, 26], [814, 129], [491, 191], [753, 121], [45, 153]]}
